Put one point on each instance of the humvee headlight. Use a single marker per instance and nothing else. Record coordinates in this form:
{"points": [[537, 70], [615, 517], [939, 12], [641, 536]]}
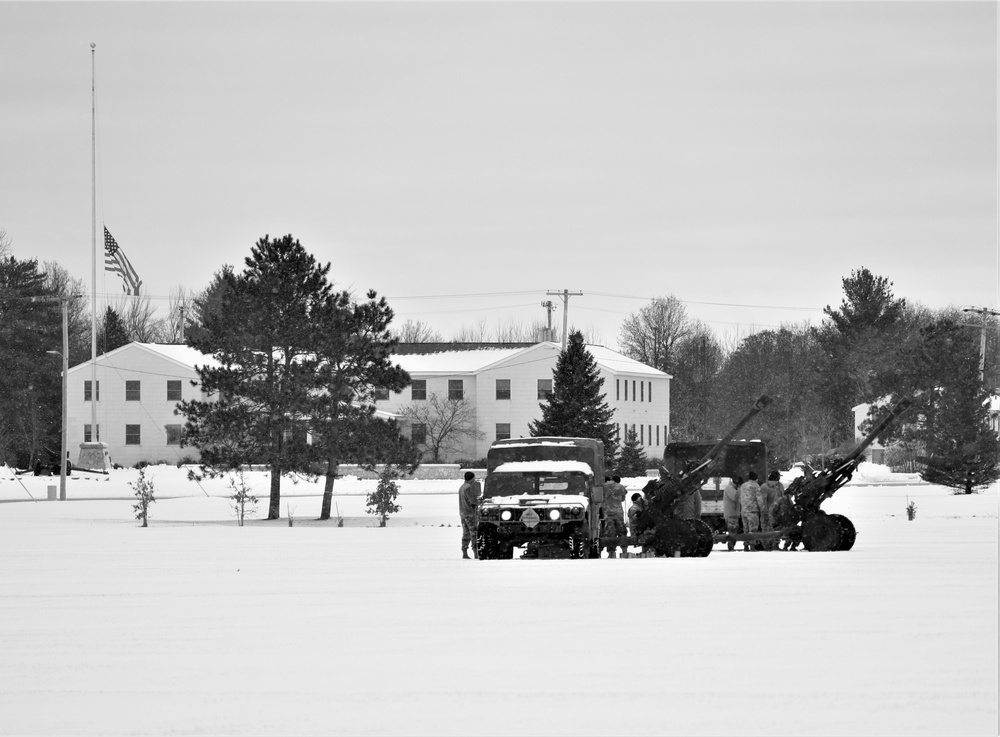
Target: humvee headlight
{"points": [[554, 514], [577, 511], [506, 515]]}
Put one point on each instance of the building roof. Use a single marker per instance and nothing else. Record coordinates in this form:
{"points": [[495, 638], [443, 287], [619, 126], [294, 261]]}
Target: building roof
{"points": [[180, 354], [427, 358]]}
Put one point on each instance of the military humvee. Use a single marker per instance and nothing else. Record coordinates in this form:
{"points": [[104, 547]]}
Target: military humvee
{"points": [[543, 494]]}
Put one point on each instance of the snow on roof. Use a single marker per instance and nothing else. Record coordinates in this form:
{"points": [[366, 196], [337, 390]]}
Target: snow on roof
{"points": [[454, 362], [544, 467], [557, 443], [620, 364], [180, 353]]}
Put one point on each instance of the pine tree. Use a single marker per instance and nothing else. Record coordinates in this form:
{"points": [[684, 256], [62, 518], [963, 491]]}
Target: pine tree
{"points": [[576, 407], [382, 501], [112, 333], [950, 419], [259, 329], [632, 459]]}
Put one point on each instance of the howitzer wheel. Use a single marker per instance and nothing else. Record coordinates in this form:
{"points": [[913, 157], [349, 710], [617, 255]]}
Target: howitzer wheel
{"points": [[821, 533], [673, 537], [704, 537], [847, 532]]}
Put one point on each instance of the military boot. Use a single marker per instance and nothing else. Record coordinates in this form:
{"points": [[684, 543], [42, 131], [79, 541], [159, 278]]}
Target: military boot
{"points": [[465, 553], [611, 553]]}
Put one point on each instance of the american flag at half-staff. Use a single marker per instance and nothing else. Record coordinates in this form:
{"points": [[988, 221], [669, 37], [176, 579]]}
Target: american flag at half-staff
{"points": [[116, 261]]}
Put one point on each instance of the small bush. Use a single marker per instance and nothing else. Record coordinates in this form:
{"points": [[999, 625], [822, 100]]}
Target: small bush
{"points": [[382, 501], [241, 496], [144, 493], [911, 509]]}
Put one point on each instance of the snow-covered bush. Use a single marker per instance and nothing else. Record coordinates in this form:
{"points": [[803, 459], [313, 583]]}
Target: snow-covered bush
{"points": [[145, 495]]}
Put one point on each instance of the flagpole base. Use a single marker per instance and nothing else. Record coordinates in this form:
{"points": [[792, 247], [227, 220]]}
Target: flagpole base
{"points": [[94, 457]]}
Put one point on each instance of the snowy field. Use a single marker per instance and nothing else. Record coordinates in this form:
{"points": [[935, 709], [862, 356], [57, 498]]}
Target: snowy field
{"points": [[197, 626]]}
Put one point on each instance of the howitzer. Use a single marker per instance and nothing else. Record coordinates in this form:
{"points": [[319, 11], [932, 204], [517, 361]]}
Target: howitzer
{"points": [[818, 530], [662, 522]]}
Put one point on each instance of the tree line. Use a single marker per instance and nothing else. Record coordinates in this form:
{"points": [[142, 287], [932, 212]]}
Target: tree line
{"points": [[874, 348]]}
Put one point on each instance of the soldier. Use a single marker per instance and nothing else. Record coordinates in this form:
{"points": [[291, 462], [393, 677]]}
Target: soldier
{"points": [[468, 511], [770, 491], [614, 513], [634, 512], [731, 509], [783, 515], [750, 507]]}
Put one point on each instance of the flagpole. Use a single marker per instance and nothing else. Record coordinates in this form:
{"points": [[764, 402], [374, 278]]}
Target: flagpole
{"points": [[93, 233]]}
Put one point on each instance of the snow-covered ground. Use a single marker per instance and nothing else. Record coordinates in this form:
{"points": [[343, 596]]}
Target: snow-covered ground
{"points": [[197, 626]]}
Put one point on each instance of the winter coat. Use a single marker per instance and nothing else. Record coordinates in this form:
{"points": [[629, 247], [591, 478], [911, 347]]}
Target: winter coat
{"points": [[750, 497], [468, 498], [782, 514], [614, 496], [730, 501], [771, 492]]}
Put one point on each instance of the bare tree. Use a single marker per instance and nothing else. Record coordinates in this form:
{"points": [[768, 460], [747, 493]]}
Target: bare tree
{"points": [[650, 334], [5, 243], [180, 311], [478, 333], [417, 331], [139, 318], [447, 424]]}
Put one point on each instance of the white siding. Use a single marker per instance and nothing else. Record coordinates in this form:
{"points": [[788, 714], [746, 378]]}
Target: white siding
{"points": [[151, 413]]}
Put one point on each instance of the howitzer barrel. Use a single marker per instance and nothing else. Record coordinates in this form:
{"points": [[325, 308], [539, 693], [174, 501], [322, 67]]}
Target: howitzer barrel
{"points": [[762, 401], [897, 409]]}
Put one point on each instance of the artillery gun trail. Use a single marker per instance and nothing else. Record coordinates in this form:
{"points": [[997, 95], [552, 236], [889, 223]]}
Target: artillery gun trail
{"points": [[661, 526]]}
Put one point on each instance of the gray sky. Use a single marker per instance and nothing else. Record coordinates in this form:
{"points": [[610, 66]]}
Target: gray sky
{"points": [[735, 153]]}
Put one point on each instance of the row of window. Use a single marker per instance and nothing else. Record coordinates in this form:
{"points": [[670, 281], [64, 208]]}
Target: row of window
{"points": [[133, 434], [645, 390], [644, 433], [456, 390], [133, 391]]}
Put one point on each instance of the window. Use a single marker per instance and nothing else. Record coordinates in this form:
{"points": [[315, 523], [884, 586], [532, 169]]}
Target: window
{"points": [[87, 391], [642, 391], [173, 434], [544, 388], [657, 435], [503, 389], [456, 390], [642, 434], [173, 390], [618, 389], [650, 434], [381, 394], [626, 390], [418, 433], [503, 431], [633, 390], [131, 391], [651, 394], [86, 434], [132, 436], [418, 389]]}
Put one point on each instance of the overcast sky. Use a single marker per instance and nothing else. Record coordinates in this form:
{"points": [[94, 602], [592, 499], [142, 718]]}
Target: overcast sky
{"points": [[744, 157]]}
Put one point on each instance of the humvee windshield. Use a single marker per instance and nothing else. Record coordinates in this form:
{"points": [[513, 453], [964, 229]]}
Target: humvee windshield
{"points": [[515, 484]]}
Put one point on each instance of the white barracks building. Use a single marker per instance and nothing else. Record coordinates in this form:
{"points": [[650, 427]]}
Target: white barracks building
{"points": [[140, 384]]}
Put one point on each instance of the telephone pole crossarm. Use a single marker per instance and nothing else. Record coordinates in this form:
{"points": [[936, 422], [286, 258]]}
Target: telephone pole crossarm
{"points": [[565, 295]]}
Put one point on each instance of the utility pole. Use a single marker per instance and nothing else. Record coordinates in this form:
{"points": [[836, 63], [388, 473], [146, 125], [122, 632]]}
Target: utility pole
{"points": [[549, 307], [984, 312], [565, 294]]}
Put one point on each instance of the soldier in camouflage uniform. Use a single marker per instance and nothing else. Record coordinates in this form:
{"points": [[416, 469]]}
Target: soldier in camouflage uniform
{"points": [[468, 511], [770, 491], [782, 514], [614, 513], [731, 509], [750, 507]]}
